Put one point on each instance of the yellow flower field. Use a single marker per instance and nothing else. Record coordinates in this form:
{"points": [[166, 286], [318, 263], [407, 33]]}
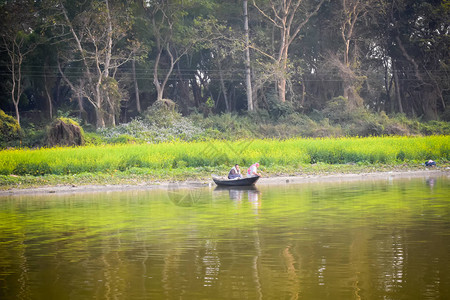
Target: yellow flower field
{"points": [[268, 152]]}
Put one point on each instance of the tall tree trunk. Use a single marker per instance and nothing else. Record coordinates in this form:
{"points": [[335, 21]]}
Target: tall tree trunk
{"points": [[82, 113], [49, 97], [17, 92], [387, 81], [248, 79], [222, 84], [183, 90], [159, 89], [303, 91], [16, 89], [196, 92], [16, 108], [99, 112], [136, 87], [282, 80], [108, 57], [397, 89]]}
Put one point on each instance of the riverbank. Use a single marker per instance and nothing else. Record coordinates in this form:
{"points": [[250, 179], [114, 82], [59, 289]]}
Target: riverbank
{"points": [[198, 183]]}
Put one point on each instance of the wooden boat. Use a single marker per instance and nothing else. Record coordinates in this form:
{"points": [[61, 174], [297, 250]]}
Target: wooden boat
{"points": [[248, 181]]}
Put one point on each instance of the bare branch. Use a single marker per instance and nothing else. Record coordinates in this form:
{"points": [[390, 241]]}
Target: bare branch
{"points": [[267, 16]]}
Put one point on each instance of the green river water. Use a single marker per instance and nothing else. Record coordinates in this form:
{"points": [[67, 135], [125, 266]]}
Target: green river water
{"points": [[378, 239]]}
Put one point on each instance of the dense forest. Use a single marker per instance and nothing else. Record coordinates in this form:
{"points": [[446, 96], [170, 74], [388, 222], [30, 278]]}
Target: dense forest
{"points": [[106, 62]]}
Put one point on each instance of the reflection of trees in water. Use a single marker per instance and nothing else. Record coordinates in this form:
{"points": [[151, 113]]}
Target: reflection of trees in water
{"points": [[370, 248], [185, 197], [172, 264], [392, 267], [210, 262], [23, 277], [292, 272]]}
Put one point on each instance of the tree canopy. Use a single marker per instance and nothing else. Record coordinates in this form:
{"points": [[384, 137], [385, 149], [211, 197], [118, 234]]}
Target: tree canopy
{"points": [[106, 61]]}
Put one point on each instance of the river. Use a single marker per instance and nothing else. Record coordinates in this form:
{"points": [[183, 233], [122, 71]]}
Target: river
{"points": [[373, 239]]}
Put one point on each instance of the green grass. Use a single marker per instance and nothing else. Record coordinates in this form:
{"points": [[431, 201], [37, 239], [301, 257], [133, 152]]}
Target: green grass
{"points": [[181, 160]]}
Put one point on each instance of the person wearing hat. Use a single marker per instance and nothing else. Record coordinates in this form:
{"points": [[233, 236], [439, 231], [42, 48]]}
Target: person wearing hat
{"points": [[253, 170]]}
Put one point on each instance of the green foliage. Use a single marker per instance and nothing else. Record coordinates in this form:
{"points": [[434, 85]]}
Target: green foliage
{"points": [[141, 131], [338, 110], [93, 138], [162, 113], [110, 86], [161, 123], [278, 109], [34, 168], [122, 139], [33, 137], [228, 126], [204, 36], [9, 129]]}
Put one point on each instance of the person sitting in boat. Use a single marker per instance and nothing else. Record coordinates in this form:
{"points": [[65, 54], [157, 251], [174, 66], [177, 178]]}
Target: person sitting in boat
{"points": [[253, 170], [235, 172]]}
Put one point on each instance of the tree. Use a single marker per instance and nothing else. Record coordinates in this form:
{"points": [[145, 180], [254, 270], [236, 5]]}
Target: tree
{"points": [[416, 40], [99, 41], [286, 17], [351, 12], [18, 40], [175, 33], [248, 79]]}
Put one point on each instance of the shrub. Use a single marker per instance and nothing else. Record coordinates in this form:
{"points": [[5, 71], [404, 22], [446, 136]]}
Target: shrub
{"points": [[122, 139], [337, 110], [162, 113], [65, 132], [435, 127], [142, 130], [9, 128], [33, 137], [278, 109], [93, 138]]}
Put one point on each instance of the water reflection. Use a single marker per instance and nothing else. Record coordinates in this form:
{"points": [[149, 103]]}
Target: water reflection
{"points": [[186, 197], [380, 240], [240, 194], [431, 182]]}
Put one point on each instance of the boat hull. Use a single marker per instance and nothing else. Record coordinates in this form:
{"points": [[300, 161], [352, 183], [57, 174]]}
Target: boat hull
{"points": [[249, 181]]}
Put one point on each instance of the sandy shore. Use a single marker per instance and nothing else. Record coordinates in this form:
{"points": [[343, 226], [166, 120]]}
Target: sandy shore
{"points": [[278, 180]]}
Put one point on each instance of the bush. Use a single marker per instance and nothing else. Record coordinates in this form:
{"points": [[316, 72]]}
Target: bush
{"points": [[142, 131], [435, 127], [93, 138], [65, 132], [337, 110], [278, 109], [33, 137], [9, 129], [162, 113], [122, 139]]}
